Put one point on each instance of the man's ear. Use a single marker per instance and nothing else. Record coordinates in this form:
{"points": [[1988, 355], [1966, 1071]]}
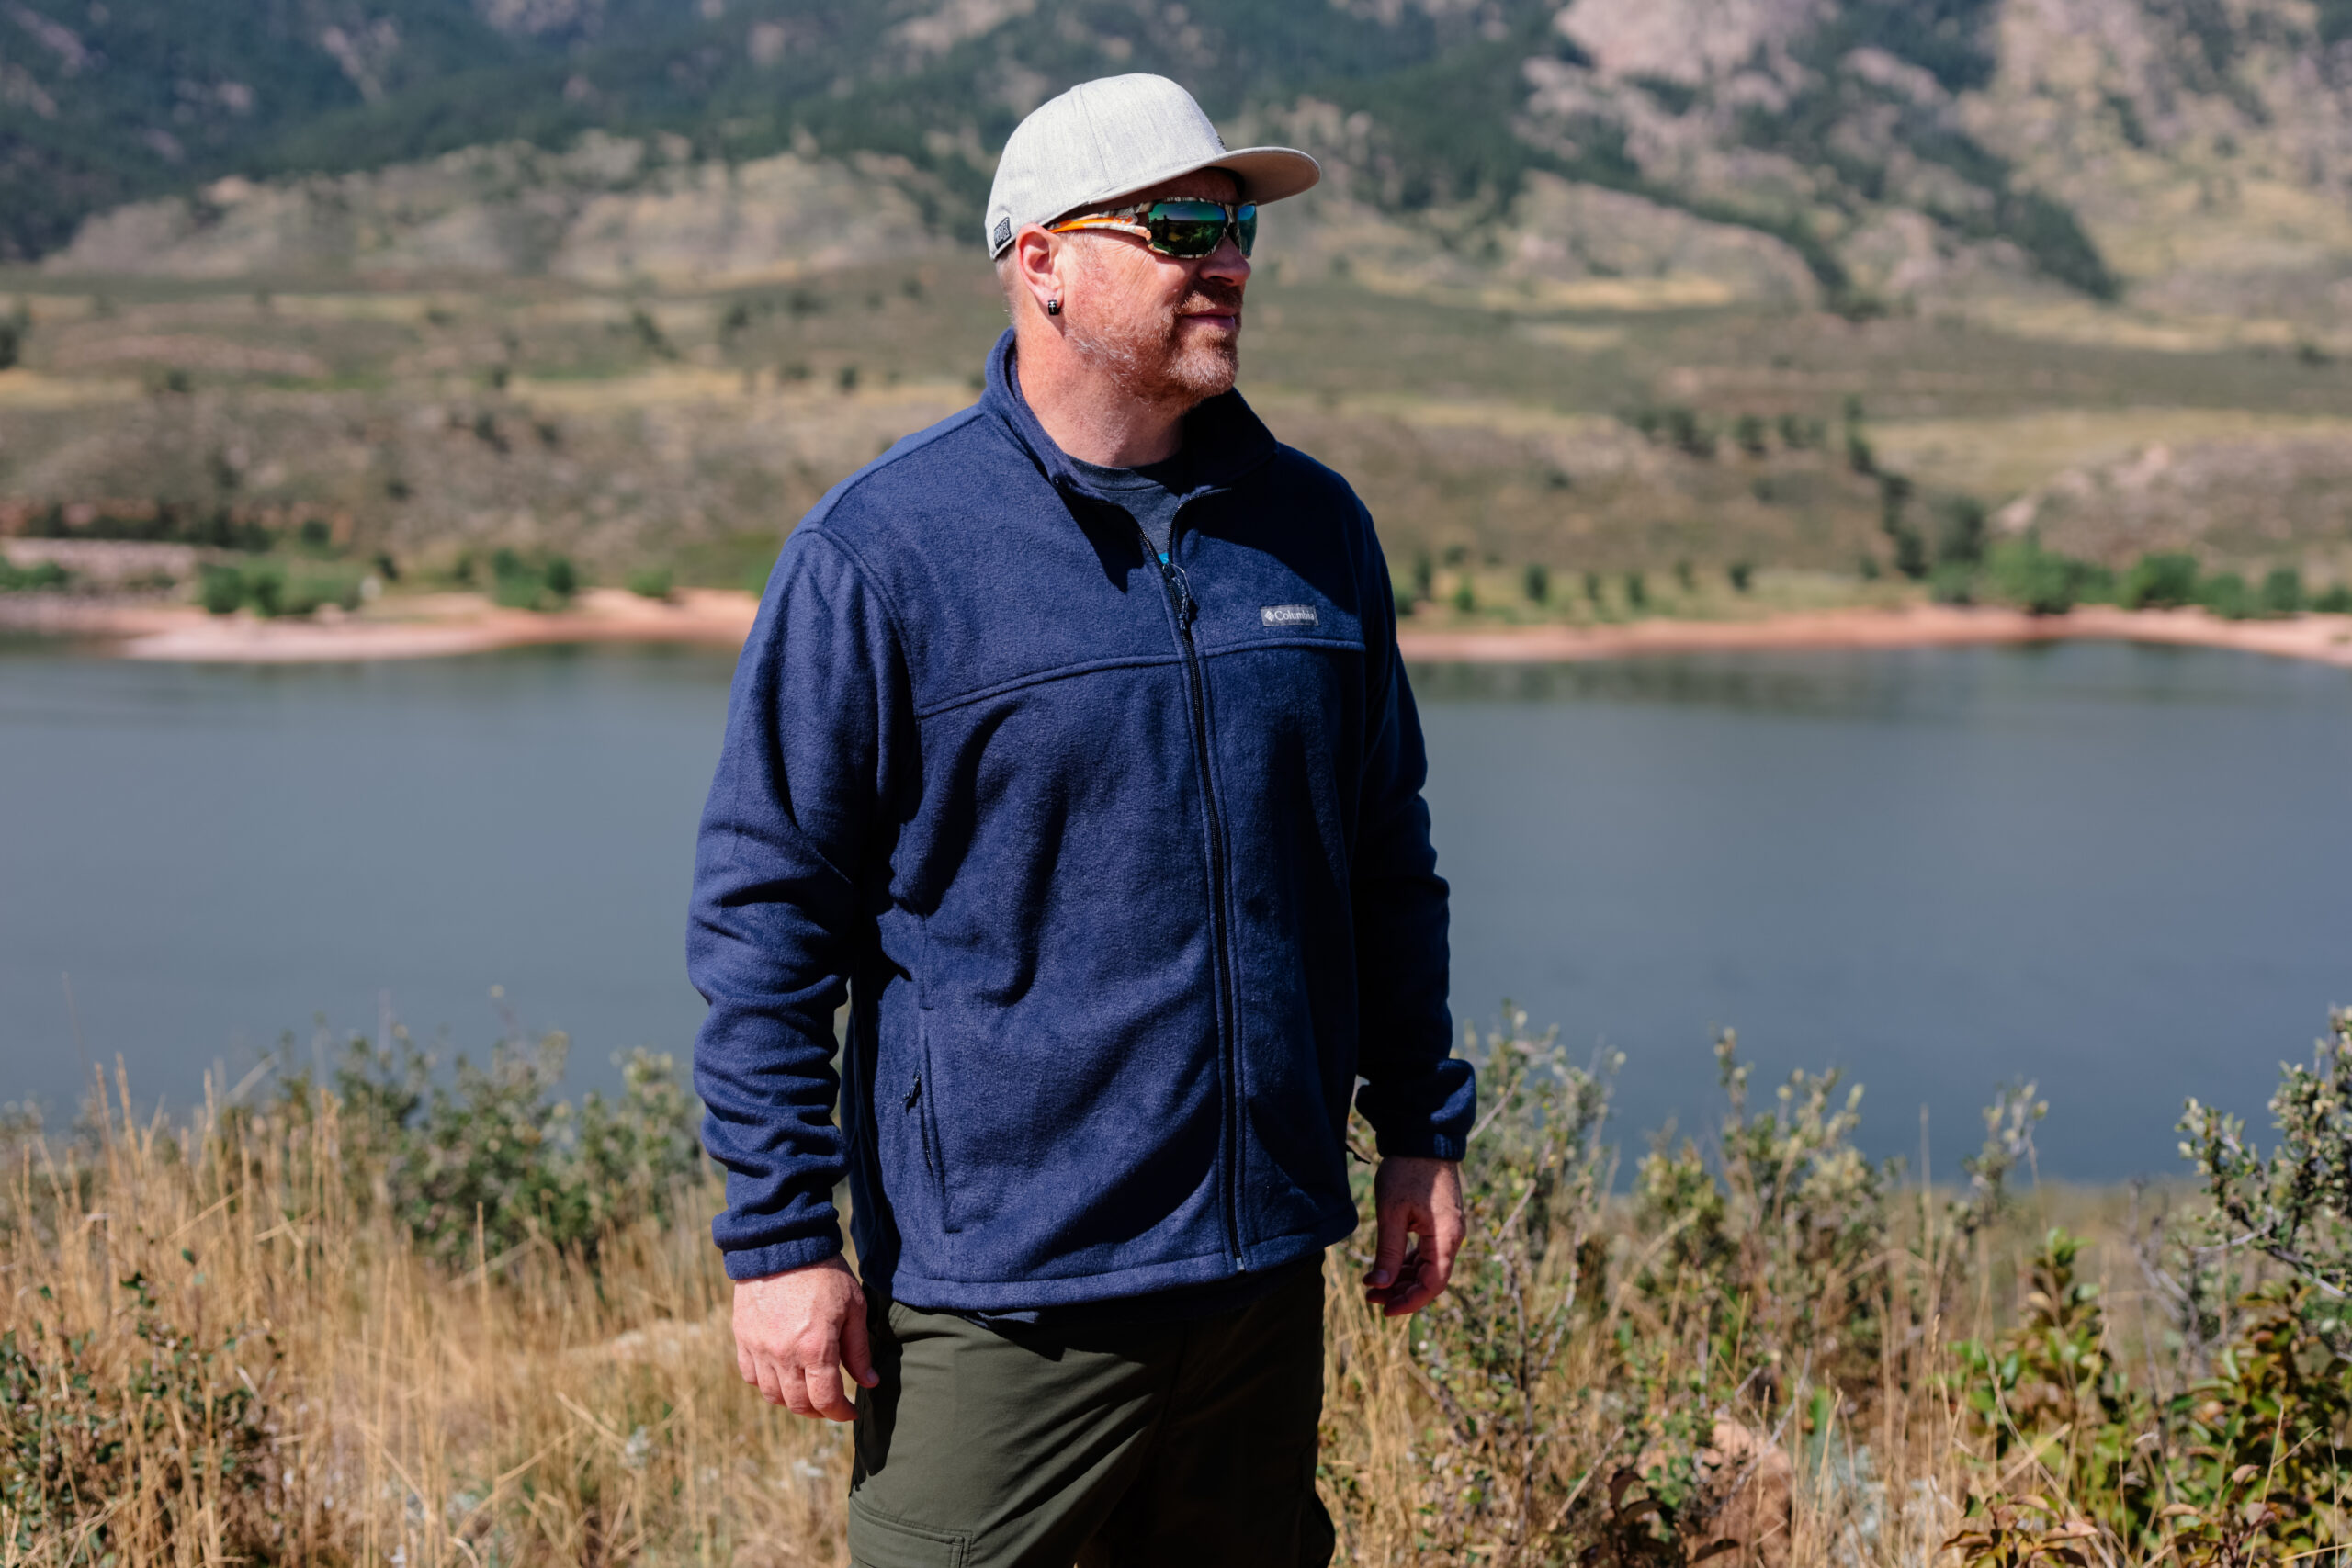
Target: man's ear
{"points": [[1038, 259]]}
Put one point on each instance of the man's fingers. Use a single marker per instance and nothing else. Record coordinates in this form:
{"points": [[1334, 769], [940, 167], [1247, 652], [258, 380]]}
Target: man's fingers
{"points": [[1388, 1257], [823, 1391], [857, 1351], [771, 1381], [1421, 1285], [745, 1368]]}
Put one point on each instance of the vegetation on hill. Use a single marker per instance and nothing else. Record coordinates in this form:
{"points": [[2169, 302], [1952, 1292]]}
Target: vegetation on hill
{"points": [[1877, 140]]}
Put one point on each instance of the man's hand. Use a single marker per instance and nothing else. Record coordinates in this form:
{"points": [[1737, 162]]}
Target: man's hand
{"points": [[1422, 1197], [795, 1331]]}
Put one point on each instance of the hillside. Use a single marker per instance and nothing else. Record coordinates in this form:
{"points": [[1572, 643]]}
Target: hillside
{"points": [[2181, 155]]}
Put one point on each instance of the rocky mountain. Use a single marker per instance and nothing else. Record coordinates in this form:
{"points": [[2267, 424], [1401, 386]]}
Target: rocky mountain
{"points": [[2190, 157]]}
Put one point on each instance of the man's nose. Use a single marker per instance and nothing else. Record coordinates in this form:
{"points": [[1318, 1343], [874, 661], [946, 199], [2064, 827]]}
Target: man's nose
{"points": [[1226, 264]]}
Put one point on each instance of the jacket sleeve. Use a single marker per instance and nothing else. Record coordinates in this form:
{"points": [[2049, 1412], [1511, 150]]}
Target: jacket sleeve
{"points": [[790, 841], [1420, 1098]]}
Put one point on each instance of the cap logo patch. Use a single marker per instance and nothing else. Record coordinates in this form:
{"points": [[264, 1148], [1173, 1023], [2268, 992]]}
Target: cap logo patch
{"points": [[1288, 615], [1003, 232]]}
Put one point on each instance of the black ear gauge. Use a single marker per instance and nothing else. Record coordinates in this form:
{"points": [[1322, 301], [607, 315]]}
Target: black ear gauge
{"points": [[1053, 307]]}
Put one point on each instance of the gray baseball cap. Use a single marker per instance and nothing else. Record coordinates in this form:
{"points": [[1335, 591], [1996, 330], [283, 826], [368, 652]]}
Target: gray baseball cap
{"points": [[1113, 137]]}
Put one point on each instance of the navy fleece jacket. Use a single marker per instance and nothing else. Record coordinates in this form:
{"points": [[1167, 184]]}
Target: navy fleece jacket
{"points": [[1121, 865]]}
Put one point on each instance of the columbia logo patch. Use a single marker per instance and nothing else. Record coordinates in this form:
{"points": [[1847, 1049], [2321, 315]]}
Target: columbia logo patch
{"points": [[1003, 232], [1288, 615]]}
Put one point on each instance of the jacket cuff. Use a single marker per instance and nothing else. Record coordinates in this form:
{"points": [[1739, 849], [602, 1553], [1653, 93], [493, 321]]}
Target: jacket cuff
{"points": [[759, 1262], [1422, 1143]]}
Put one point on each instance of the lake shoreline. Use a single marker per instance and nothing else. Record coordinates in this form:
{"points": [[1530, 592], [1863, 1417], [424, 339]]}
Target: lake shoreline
{"points": [[442, 626]]}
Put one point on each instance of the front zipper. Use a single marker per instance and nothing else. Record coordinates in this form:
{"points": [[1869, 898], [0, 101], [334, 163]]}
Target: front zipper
{"points": [[1179, 603]]}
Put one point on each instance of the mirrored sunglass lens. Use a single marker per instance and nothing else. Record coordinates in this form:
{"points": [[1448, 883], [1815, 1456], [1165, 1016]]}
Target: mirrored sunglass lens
{"points": [[1246, 229], [1181, 237]]}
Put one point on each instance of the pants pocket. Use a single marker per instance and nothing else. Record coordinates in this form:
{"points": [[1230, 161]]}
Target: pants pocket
{"points": [[876, 1541]]}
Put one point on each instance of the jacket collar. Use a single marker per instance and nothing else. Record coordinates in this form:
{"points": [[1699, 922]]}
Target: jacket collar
{"points": [[1223, 438]]}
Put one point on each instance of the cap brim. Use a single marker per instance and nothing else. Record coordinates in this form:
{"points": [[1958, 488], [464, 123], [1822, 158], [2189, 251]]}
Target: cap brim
{"points": [[1267, 174]]}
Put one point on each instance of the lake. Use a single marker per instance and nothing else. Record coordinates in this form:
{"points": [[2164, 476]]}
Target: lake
{"points": [[2122, 872]]}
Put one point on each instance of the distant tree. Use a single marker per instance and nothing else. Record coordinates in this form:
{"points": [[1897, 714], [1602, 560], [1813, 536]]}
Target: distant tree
{"points": [[1959, 530], [2282, 590], [1741, 574], [1637, 591], [2161, 581], [1539, 583], [2227, 595], [1750, 432]]}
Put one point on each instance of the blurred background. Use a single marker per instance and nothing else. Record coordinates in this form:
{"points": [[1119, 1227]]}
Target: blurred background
{"points": [[351, 314]]}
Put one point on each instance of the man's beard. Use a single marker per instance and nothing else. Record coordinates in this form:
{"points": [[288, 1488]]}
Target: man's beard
{"points": [[1149, 361]]}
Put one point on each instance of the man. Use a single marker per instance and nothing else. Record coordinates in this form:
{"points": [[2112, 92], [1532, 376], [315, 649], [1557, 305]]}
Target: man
{"points": [[1072, 746]]}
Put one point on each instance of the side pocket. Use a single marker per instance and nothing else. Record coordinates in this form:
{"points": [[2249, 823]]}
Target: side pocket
{"points": [[876, 1541], [921, 1099]]}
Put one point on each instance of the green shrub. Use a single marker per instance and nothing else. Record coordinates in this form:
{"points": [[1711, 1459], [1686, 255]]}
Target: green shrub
{"points": [[1637, 591], [2164, 581], [1742, 574], [519, 584], [221, 590], [1538, 582], [266, 588], [2335, 600], [2282, 591], [15, 579], [2227, 595], [1959, 530], [1953, 583], [651, 582], [2038, 582], [492, 1148], [1592, 589], [1466, 597]]}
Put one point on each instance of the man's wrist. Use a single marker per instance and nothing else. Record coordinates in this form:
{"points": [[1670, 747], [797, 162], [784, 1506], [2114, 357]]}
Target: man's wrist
{"points": [[749, 1263]]}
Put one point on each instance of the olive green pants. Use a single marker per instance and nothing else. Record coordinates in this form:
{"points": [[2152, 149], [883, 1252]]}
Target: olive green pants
{"points": [[1109, 1447]]}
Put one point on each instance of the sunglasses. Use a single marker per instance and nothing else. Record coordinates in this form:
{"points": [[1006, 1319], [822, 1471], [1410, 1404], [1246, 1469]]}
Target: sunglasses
{"points": [[1188, 228]]}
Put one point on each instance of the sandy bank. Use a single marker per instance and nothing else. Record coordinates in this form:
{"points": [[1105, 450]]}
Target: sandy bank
{"points": [[429, 626], [2325, 639], [440, 624]]}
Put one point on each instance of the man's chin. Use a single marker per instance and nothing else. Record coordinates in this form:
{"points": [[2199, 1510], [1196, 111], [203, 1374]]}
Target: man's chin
{"points": [[1208, 370]]}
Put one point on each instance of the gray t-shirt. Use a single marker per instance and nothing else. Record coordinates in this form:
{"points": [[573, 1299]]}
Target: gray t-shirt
{"points": [[1151, 494]]}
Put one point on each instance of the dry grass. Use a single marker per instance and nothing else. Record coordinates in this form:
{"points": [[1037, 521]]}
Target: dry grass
{"points": [[345, 1402], [222, 1352]]}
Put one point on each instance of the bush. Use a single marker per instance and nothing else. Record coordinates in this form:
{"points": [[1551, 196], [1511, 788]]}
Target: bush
{"points": [[15, 579], [1637, 591], [2227, 595], [2282, 591], [2336, 601], [490, 1161], [1952, 584], [518, 584], [221, 590], [1959, 530], [2165, 582], [1742, 574], [2038, 582], [651, 582], [266, 588], [1538, 582]]}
